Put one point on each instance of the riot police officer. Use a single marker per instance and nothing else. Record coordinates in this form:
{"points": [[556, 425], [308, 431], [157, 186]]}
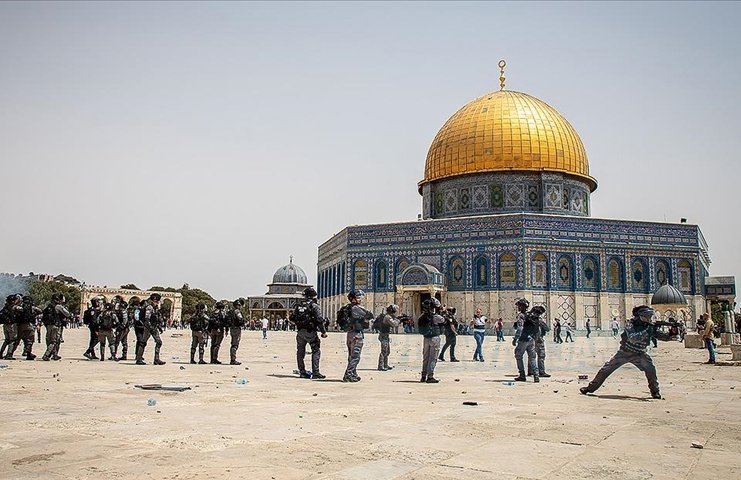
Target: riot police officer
{"points": [[236, 324], [537, 312], [528, 329], [307, 316], [8, 315], [216, 324], [354, 319], [149, 317], [431, 325], [123, 327], [90, 318], [385, 322], [633, 349], [451, 334], [25, 322], [198, 326], [106, 322], [55, 317]]}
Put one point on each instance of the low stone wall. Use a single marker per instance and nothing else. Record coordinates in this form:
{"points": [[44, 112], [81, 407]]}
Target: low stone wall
{"points": [[730, 338], [693, 340]]}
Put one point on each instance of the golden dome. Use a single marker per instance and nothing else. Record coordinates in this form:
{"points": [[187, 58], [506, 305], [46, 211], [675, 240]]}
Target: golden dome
{"points": [[506, 131]]}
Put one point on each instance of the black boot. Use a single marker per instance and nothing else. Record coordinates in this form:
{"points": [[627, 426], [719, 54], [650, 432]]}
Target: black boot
{"points": [[521, 378], [193, 356]]}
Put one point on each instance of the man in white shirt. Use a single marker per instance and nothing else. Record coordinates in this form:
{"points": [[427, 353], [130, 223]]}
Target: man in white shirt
{"points": [[264, 328]]}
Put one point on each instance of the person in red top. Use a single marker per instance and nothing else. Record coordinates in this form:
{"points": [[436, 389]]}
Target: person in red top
{"points": [[499, 328]]}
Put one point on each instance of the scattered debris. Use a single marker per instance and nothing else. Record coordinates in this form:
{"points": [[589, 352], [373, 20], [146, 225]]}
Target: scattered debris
{"points": [[473, 404], [157, 386], [457, 380], [182, 367], [697, 445]]}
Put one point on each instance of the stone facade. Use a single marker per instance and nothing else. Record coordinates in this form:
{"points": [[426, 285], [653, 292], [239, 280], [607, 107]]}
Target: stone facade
{"points": [[576, 267]]}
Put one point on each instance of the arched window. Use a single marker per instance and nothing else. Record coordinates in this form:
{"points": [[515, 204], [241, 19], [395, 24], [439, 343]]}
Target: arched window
{"points": [[360, 274], [590, 274], [507, 271], [381, 272], [684, 273], [457, 274], [481, 272], [662, 273], [638, 278], [614, 275], [565, 273], [539, 270]]}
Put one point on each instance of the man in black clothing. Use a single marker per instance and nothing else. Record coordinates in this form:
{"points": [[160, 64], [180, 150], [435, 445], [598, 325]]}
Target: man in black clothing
{"points": [[307, 317], [90, 318], [451, 334], [236, 324], [55, 317], [198, 325], [26, 325], [123, 327], [149, 316], [216, 324]]}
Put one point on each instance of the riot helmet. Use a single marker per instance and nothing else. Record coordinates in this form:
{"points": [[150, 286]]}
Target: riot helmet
{"points": [[95, 302], [201, 307], [58, 297], [155, 297], [522, 302], [356, 294], [309, 292], [643, 311], [392, 309], [238, 303], [538, 310], [219, 306]]}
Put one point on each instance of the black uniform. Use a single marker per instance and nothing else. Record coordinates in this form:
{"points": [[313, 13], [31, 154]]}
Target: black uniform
{"points": [[236, 324], [123, 327], [216, 324], [90, 318], [451, 337], [25, 321], [198, 325], [307, 316], [9, 317], [149, 316], [55, 317], [106, 321]]}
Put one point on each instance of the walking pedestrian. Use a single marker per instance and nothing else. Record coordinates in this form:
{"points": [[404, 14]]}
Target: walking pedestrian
{"points": [[479, 331]]}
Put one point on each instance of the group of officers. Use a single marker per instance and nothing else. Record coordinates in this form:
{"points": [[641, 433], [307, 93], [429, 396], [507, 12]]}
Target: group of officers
{"points": [[110, 325]]}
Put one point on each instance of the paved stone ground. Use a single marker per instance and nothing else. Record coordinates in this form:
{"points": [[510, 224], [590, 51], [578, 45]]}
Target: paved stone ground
{"points": [[80, 419]]}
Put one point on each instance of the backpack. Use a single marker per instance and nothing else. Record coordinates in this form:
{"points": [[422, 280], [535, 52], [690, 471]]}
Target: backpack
{"points": [[343, 316], [5, 316], [378, 322], [107, 320], [301, 315], [47, 317]]}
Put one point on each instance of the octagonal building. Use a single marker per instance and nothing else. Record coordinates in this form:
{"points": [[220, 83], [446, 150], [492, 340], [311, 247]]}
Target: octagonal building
{"points": [[506, 214]]}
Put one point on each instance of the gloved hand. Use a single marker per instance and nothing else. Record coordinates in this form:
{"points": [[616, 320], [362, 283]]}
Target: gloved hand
{"points": [[514, 342]]}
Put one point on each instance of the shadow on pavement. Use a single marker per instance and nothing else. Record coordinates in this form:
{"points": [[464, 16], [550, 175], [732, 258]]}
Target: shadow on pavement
{"points": [[623, 397]]}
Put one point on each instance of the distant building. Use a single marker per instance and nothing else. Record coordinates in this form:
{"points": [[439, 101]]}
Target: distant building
{"points": [[289, 282]]}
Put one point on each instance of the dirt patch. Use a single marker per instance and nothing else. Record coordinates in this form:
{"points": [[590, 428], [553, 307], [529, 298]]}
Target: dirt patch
{"points": [[41, 457]]}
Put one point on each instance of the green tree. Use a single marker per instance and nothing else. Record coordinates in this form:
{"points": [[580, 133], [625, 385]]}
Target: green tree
{"points": [[41, 293], [129, 286], [193, 296]]}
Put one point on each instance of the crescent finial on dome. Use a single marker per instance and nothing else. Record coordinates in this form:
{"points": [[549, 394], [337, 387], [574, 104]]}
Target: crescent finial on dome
{"points": [[502, 64]]}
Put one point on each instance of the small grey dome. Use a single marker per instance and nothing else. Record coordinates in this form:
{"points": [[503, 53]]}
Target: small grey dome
{"points": [[290, 274], [668, 295]]}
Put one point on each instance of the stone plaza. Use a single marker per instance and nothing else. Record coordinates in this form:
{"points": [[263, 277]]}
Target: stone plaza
{"points": [[80, 419]]}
